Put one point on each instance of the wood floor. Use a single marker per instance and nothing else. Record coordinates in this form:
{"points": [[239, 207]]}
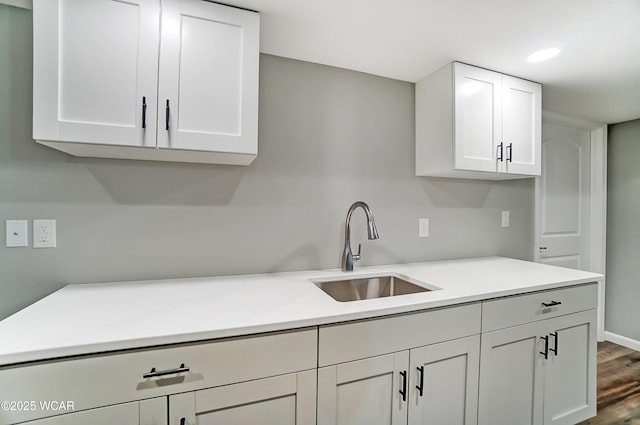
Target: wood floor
{"points": [[618, 386]]}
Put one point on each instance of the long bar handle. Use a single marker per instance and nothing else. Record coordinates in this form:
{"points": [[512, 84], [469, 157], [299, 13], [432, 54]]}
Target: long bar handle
{"points": [[499, 158], [420, 386], [510, 152], [166, 116], [154, 373], [546, 347], [144, 112], [403, 391], [554, 350]]}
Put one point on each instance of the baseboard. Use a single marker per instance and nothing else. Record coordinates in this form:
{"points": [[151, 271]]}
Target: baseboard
{"points": [[622, 340]]}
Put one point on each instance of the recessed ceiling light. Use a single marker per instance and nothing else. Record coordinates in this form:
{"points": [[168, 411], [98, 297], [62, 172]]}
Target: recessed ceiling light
{"points": [[543, 55]]}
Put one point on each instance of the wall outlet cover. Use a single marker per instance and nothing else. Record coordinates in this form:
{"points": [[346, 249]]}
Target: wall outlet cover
{"points": [[505, 218], [423, 227], [44, 233]]}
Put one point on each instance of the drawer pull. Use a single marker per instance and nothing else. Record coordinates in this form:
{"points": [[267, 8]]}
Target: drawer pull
{"points": [[551, 304], [554, 350], [546, 347], [420, 386], [183, 421], [403, 391], [153, 372]]}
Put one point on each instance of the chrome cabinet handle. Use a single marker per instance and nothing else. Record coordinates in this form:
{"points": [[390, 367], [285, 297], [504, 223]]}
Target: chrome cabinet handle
{"points": [[154, 373], [403, 391], [551, 304], [420, 386]]}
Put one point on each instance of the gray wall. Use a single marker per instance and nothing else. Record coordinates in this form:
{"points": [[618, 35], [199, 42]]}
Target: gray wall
{"points": [[623, 230], [328, 137]]}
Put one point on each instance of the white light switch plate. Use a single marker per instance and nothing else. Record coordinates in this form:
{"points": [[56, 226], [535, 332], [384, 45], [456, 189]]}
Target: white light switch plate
{"points": [[17, 233], [423, 227], [505, 218], [44, 233]]}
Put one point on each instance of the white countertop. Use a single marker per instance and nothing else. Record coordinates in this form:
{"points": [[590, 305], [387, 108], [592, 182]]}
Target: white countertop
{"points": [[91, 318]]}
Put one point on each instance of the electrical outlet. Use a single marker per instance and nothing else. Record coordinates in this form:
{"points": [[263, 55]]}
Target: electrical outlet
{"points": [[17, 233], [423, 227], [44, 233], [505, 218]]}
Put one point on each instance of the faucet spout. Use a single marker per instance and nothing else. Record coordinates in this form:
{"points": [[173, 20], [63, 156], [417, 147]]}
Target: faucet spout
{"points": [[348, 257]]}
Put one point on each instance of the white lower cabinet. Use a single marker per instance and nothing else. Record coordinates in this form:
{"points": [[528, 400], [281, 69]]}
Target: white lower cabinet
{"points": [[433, 384], [414, 369], [542, 372], [145, 412], [280, 400]]}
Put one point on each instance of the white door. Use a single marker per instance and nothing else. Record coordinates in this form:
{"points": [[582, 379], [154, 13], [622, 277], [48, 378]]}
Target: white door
{"points": [[365, 392], [444, 383], [145, 412], [478, 119], [280, 400], [94, 81], [562, 193], [521, 109], [512, 376], [208, 81], [570, 369]]}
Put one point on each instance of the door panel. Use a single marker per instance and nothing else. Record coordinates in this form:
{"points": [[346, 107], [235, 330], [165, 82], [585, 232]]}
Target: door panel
{"points": [[478, 120], [450, 383], [570, 386], [280, 400], [511, 376], [99, 73], [521, 106], [363, 392], [209, 76], [563, 197], [146, 412]]}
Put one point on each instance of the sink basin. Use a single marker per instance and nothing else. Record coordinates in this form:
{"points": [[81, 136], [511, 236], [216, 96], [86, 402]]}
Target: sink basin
{"points": [[369, 287]]}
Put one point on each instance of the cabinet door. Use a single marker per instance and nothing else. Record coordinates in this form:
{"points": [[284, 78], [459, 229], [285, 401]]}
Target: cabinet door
{"points": [[521, 125], [280, 400], [364, 392], [208, 87], [91, 75], [478, 118], [444, 383], [512, 376], [570, 375], [145, 412]]}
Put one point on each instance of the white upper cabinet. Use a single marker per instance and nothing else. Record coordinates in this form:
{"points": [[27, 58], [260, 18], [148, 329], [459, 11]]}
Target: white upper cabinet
{"points": [[476, 123], [170, 80]]}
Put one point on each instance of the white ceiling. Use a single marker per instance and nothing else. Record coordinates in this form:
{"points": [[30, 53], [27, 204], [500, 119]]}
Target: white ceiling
{"points": [[595, 77]]}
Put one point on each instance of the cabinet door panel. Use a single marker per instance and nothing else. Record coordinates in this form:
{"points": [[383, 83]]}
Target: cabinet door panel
{"points": [[146, 412], [478, 116], [449, 380], [511, 376], [363, 392], [90, 76], [209, 75], [280, 400], [521, 125], [570, 378]]}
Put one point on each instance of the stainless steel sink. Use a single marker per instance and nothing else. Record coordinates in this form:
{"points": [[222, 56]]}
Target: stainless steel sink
{"points": [[368, 287]]}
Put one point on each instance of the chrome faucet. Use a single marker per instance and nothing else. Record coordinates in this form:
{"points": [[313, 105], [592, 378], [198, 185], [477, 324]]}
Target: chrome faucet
{"points": [[347, 256]]}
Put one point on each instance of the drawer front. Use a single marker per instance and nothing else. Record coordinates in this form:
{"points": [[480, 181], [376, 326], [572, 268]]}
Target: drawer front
{"points": [[520, 309], [100, 380], [367, 338]]}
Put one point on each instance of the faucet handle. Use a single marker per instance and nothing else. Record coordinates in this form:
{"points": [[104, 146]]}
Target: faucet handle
{"points": [[356, 257]]}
